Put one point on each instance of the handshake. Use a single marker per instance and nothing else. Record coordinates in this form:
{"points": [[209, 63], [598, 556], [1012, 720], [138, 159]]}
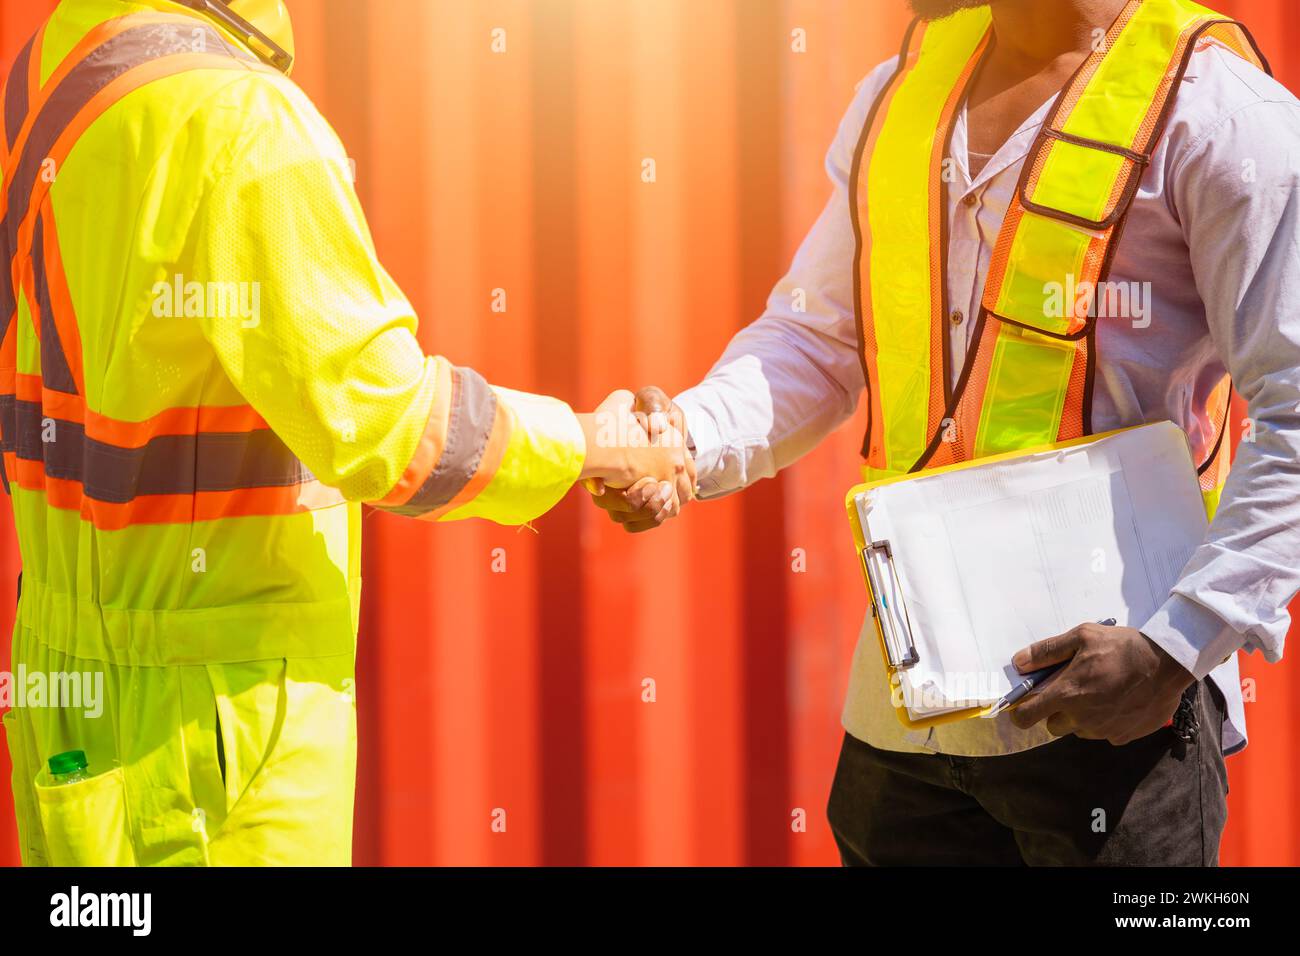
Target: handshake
{"points": [[638, 467]]}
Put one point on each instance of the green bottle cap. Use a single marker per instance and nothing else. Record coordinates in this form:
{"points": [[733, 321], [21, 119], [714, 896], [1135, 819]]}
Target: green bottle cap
{"points": [[68, 762]]}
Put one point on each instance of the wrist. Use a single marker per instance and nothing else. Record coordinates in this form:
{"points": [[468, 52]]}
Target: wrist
{"points": [[598, 461], [587, 424], [1170, 675]]}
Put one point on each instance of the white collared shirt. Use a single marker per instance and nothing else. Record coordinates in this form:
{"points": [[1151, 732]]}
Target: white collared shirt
{"points": [[1214, 230]]}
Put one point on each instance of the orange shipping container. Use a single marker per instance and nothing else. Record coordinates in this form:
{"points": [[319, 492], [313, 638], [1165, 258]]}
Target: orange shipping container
{"points": [[664, 699]]}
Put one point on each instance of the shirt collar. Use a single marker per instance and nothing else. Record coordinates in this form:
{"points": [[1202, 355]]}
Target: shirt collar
{"points": [[1015, 149]]}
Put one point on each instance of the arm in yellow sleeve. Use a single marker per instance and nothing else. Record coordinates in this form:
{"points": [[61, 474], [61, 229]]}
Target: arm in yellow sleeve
{"points": [[330, 357], [489, 453]]}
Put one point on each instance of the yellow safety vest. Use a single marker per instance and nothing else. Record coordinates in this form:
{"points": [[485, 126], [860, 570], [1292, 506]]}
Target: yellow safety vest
{"points": [[1028, 377], [204, 371]]}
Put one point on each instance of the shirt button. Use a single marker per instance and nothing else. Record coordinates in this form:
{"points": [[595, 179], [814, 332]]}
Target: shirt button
{"points": [[969, 200], [957, 317]]}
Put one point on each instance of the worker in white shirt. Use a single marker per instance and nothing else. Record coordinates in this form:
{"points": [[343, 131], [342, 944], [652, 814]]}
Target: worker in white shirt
{"points": [[1185, 193]]}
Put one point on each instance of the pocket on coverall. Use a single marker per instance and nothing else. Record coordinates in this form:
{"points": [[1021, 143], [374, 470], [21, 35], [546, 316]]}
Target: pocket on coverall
{"points": [[288, 732], [85, 823]]}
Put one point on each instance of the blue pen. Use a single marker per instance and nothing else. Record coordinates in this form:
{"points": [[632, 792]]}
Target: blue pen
{"points": [[1032, 680]]}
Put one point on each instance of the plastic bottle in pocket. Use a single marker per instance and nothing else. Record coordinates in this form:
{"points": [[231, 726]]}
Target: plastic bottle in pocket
{"points": [[68, 767]]}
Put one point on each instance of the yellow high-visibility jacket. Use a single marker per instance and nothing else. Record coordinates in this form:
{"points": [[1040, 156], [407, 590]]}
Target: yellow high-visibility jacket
{"points": [[204, 371]]}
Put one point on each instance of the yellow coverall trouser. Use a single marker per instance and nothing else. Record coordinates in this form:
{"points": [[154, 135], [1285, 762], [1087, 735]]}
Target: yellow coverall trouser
{"points": [[229, 764]]}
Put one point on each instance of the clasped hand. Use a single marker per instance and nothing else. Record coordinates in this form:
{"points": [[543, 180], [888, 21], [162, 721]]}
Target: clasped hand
{"points": [[637, 463], [1118, 684]]}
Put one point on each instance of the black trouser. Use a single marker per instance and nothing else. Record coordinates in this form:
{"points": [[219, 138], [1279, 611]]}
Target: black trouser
{"points": [[1156, 801]]}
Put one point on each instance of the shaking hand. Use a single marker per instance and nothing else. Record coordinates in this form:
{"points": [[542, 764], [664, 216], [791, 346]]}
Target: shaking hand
{"points": [[648, 503], [629, 447]]}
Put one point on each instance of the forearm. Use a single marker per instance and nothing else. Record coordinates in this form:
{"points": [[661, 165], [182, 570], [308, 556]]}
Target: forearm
{"points": [[1242, 234], [1235, 590], [543, 449], [466, 449], [771, 399]]}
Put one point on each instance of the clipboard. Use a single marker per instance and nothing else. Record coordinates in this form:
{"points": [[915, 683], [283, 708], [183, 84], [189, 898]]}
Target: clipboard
{"points": [[876, 559], [898, 651]]}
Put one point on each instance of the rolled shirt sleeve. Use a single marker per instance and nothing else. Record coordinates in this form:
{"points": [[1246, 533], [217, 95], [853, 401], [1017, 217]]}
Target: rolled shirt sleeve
{"points": [[1237, 193]]}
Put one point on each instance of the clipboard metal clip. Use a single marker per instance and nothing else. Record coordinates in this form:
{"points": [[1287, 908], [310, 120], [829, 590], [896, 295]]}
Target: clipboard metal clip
{"points": [[895, 625]]}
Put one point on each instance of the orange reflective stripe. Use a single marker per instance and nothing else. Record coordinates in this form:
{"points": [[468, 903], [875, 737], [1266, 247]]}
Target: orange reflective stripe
{"points": [[31, 388], [1076, 415], [470, 446], [34, 66], [170, 509], [56, 364], [1213, 470], [182, 420], [188, 420], [429, 449], [16, 101], [1230, 35], [59, 300], [489, 462], [940, 358], [246, 469]]}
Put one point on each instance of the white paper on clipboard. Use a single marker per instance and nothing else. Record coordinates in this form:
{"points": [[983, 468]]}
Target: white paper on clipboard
{"points": [[991, 558]]}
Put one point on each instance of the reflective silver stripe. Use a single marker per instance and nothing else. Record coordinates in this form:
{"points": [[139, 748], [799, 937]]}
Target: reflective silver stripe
{"points": [[469, 428], [17, 93], [165, 465], [56, 374], [7, 427], [15, 111]]}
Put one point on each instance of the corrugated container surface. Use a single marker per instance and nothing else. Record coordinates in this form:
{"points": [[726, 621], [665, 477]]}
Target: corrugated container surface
{"points": [[525, 690]]}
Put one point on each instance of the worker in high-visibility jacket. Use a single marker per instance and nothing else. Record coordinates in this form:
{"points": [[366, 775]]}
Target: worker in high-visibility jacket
{"points": [[204, 371]]}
